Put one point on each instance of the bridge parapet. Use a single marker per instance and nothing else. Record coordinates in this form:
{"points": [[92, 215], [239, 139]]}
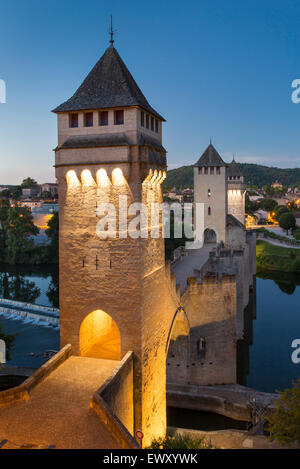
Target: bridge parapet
{"points": [[113, 403]]}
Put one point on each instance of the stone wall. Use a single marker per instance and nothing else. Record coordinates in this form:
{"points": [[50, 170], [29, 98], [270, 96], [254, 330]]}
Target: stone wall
{"points": [[124, 277], [22, 391], [210, 307], [113, 403], [217, 201]]}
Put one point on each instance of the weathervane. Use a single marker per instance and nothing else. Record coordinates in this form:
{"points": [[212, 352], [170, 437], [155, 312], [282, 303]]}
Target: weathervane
{"points": [[111, 32]]}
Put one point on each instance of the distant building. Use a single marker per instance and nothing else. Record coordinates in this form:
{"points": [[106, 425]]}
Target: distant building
{"points": [[276, 185], [50, 187], [33, 191], [220, 187], [31, 203], [297, 216]]}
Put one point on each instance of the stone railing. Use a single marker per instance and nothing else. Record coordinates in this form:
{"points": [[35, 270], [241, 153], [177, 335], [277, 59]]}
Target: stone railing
{"points": [[113, 403], [21, 392]]}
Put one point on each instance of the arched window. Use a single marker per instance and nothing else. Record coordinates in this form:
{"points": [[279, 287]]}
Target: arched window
{"points": [[209, 211]]}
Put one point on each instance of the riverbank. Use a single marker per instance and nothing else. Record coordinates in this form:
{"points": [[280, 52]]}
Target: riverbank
{"points": [[272, 257]]}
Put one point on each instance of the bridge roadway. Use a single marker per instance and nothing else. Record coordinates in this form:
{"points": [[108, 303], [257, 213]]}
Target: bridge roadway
{"points": [[57, 414]]}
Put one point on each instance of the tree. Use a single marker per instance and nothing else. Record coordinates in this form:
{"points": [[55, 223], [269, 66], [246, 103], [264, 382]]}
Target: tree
{"points": [[287, 221], [28, 182], [279, 210], [268, 204], [284, 423], [52, 233], [250, 205], [292, 206], [17, 228]]}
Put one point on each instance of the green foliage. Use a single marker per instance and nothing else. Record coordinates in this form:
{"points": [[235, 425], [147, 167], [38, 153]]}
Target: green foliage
{"points": [[296, 265], [284, 423], [270, 234], [279, 210], [250, 206], [268, 204], [52, 233], [14, 286], [28, 182], [296, 233], [254, 174], [275, 258], [179, 442], [287, 221], [16, 229]]}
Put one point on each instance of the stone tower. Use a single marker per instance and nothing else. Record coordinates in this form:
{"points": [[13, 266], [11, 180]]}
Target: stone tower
{"points": [[114, 292], [210, 188], [236, 192]]}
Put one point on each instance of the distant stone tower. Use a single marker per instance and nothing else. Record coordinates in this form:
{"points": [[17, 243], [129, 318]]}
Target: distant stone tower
{"points": [[114, 293], [236, 192], [210, 188]]}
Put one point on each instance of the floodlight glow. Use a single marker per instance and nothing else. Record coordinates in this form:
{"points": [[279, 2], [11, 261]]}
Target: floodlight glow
{"points": [[72, 179], [102, 178]]}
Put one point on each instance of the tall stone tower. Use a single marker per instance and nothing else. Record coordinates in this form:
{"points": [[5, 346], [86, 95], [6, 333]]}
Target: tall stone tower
{"points": [[210, 188], [236, 192], [114, 293]]}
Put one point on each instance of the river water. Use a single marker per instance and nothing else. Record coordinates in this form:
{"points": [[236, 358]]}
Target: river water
{"points": [[265, 364]]}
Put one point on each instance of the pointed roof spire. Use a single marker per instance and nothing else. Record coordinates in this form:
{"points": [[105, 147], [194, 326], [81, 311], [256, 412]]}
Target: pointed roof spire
{"points": [[108, 85], [210, 158], [111, 33], [233, 169]]}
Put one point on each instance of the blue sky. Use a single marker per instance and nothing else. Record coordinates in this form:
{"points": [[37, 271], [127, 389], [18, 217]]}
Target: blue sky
{"points": [[212, 68]]}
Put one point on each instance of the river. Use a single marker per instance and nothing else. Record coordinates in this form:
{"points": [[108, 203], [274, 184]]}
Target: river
{"points": [[266, 362]]}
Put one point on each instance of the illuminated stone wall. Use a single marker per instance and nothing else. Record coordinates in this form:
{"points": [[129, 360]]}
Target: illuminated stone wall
{"points": [[125, 278], [236, 202]]}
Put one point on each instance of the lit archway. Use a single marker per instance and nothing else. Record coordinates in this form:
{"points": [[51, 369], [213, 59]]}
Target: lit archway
{"points": [[99, 336]]}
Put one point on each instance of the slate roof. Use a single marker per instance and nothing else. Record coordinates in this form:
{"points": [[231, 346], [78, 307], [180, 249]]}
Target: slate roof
{"points": [[210, 158], [233, 169], [108, 140], [108, 85]]}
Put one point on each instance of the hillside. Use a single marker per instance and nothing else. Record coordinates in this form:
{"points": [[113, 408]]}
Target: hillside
{"points": [[255, 175]]}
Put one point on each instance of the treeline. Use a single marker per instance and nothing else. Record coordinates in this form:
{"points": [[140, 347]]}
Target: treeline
{"points": [[16, 231], [255, 175]]}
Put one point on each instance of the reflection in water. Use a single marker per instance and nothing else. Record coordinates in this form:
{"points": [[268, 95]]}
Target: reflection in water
{"points": [[34, 284], [30, 284], [264, 356]]}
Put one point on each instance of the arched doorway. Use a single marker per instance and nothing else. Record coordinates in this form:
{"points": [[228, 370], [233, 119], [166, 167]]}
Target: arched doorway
{"points": [[210, 236], [99, 336]]}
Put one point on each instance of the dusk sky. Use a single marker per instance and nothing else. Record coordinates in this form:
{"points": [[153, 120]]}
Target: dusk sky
{"points": [[219, 69]]}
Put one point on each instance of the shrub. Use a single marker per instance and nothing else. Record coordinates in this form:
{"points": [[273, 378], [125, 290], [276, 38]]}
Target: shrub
{"points": [[179, 442], [284, 423]]}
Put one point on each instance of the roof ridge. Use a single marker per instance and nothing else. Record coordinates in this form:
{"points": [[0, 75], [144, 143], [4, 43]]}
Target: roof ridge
{"points": [[109, 84], [210, 157]]}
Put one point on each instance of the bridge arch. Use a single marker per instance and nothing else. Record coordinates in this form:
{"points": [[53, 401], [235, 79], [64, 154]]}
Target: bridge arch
{"points": [[178, 348], [99, 336]]}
